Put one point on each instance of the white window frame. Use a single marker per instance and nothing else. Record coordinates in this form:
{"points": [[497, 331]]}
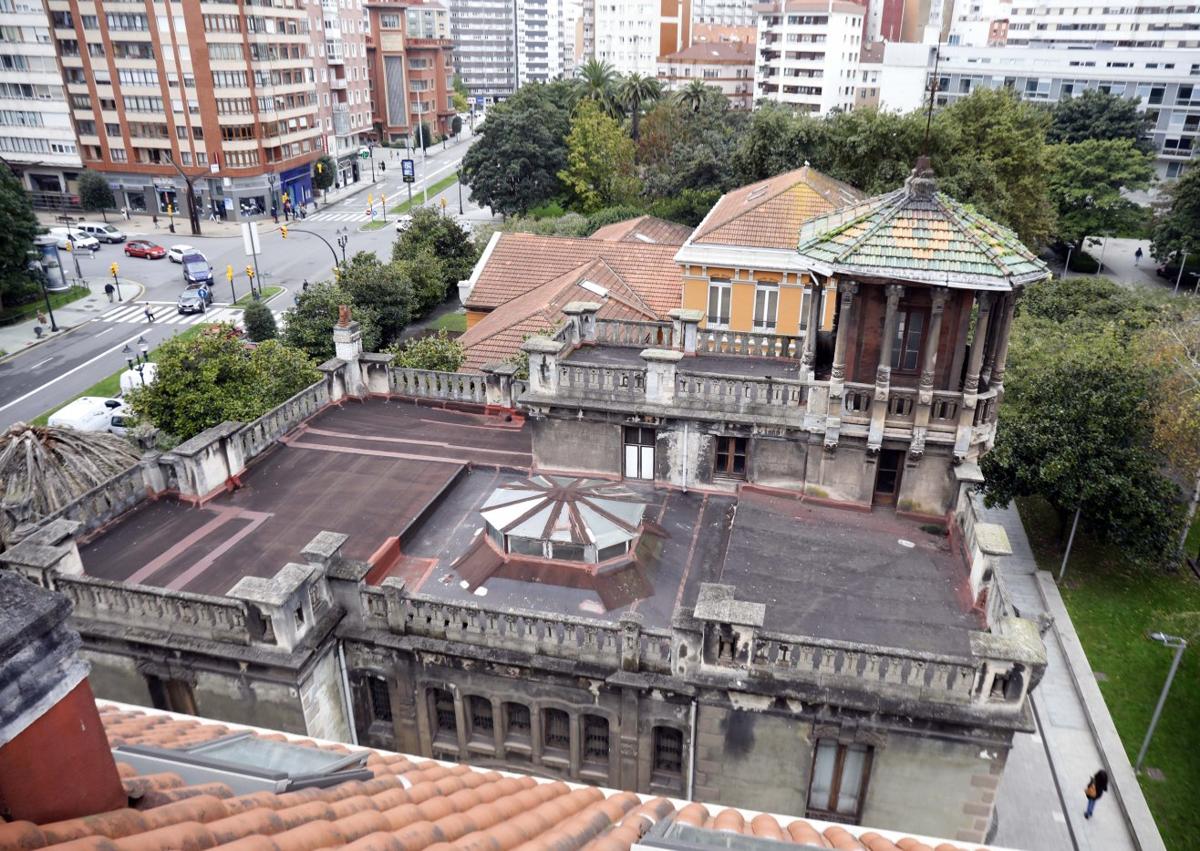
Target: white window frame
{"points": [[768, 319], [724, 291]]}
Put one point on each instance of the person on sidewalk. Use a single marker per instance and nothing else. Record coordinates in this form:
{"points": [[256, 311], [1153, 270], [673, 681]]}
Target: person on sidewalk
{"points": [[154, 218], [1096, 787], [1137, 257], [109, 289], [149, 313], [125, 213]]}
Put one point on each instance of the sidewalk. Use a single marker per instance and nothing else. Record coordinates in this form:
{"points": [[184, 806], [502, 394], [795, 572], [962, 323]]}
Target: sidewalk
{"points": [[1077, 732], [17, 338]]}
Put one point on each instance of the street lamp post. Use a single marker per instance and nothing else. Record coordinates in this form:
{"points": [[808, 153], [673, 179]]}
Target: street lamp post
{"points": [[274, 205], [342, 239], [1173, 642], [138, 360], [460, 206], [46, 295]]}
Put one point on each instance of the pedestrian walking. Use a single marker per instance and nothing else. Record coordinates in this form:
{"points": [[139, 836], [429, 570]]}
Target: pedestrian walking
{"points": [[125, 213], [154, 218], [109, 289], [41, 318], [1095, 789], [1137, 256], [275, 213], [149, 313], [304, 286]]}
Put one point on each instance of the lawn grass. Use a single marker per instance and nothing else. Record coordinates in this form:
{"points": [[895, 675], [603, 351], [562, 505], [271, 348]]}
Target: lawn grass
{"points": [[1112, 606], [453, 322], [549, 210], [110, 385], [404, 207], [21, 312], [267, 293]]}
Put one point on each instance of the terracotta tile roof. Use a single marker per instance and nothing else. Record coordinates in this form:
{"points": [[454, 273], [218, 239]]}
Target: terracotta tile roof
{"points": [[520, 262], [644, 229], [735, 52], [918, 234], [768, 214], [409, 805], [498, 336]]}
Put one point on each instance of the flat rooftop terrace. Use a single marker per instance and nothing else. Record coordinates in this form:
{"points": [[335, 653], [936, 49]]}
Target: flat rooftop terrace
{"points": [[406, 483]]}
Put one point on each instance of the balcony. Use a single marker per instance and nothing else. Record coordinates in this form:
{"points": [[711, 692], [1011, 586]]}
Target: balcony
{"points": [[334, 53]]}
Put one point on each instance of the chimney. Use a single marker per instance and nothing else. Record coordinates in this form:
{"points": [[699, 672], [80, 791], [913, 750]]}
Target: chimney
{"points": [[55, 762]]}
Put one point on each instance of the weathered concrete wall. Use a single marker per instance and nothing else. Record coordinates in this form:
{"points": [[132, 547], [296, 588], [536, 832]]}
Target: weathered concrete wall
{"points": [[577, 445], [243, 700], [115, 677], [933, 786], [326, 715], [778, 462], [842, 474], [928, 487]]}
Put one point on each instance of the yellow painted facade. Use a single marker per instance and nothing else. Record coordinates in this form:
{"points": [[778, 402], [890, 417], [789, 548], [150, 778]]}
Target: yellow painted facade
{"points": [[743, 285], [474, 317]]}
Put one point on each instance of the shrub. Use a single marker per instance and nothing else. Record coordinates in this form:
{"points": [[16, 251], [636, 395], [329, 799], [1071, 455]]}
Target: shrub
{"points": [[259, 321]]}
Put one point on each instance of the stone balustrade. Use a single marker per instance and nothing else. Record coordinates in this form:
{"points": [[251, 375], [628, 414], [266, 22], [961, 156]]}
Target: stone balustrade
{"points": [[446, 386], [750, 344], [262, 433], [104, 502], [739, 393], [600, 381], [635, 334]]}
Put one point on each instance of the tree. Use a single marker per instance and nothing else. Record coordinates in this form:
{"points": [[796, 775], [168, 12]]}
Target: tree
{"points": [[18, 227], [1177, 224], [521, 149], [455, 124], [693, 95], [633, 93], [95, 195], [203, 381], [1090, 301], [425, 135], [445, 239], [309, 325], [871, 149], [600, 161], [989, 151], [324, 173], [598, 83], [259, 321], [381, 288], [1097, 115], [437, 352], [1076, 428], [1088, 185], [765, 148], [684, 149]]}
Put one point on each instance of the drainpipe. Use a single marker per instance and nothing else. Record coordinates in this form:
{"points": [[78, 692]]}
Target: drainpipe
{"points": [[692, 762], [685, 486], [345, 678]]}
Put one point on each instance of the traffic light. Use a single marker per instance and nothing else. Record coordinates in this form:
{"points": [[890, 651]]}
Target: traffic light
{"points": [[320, 167], [249, 271], [229, 272], [170, 209], [113, 269], [69, 247], [382, 200], [283, 231]]}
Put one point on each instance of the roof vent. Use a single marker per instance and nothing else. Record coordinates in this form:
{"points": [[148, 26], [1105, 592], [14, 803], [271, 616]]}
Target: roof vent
{"points": [[757, 193], [674, 835], [642, 237], [593, 287]]}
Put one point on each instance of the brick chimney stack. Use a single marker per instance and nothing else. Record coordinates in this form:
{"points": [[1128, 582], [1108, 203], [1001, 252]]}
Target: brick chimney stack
{"points": [[55, 762]]}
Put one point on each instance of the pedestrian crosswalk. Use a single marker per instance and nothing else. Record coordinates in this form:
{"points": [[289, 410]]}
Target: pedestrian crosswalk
{"points": [[166, 314], [338, 217]]}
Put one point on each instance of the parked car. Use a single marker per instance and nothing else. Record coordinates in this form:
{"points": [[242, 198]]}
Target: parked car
{"points": [[78, 239], [196, 269], [175, 252], [93, 413], [101, 230], [144, 248], [403, 223], [194, 299]]}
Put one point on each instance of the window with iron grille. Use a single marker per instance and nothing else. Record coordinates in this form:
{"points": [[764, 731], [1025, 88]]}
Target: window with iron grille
{"points": [[481, 718], [556, 732], [595, 739], [517, 717], [381, 701], [668, 751], [443, 713]]}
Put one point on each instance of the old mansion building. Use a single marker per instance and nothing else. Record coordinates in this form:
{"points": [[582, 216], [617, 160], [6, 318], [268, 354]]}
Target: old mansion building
{"points": [[720, 543]]}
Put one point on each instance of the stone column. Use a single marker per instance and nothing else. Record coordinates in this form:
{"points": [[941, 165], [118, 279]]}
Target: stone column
{"points": [[808, 363], [883, 369], [660, 374], [543, 365], [966, 413], [347, 344], [497, 383], [993, 371], [833, 418], [685, 329], [583, 320], [933, 341]]}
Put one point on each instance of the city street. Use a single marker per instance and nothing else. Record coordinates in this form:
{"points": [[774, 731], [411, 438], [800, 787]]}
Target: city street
{"points": [[47, 374]]}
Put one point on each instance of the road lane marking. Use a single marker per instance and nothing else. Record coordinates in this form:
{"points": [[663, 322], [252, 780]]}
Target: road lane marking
{"points": [[39, 363]]}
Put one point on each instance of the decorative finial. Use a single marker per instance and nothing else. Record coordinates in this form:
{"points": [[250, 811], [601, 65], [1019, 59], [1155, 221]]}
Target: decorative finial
{"points": [[344, 315], [920, 183]]}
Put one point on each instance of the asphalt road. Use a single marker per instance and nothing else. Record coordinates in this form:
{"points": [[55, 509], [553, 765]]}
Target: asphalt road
{"points": [[48, 374]]}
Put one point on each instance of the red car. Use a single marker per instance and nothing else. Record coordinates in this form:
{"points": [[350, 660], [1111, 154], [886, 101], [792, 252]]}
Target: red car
{"points": [[144, 248]]}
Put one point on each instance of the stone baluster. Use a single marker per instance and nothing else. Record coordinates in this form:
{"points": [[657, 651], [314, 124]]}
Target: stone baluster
{"points": [[833, 419], [933, 341], [883, 369], [808, 362], [966, 414]]}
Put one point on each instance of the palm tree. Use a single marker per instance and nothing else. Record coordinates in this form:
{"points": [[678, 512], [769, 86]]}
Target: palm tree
{"points": [[694, 96], [634, 91], [598, 82]]}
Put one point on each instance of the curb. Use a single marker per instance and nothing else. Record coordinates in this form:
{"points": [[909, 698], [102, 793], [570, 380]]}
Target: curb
{"points": [[67, 330]]}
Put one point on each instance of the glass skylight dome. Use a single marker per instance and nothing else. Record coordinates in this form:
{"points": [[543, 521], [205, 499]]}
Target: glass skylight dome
{"points": [[563, 518]]}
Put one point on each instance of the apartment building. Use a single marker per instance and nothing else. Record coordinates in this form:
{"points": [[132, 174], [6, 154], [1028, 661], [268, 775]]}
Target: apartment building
{"points": [[339, 57], [36, 137], [224, 99], [1166, 84], [730, 13], [808, 54], [725, 65], [1170, 24], [630, 35], [973, 23], [883, 20], [411, 62]]}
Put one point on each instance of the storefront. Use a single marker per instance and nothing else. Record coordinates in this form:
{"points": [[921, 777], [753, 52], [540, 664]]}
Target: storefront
{"points": [[296, 184]]}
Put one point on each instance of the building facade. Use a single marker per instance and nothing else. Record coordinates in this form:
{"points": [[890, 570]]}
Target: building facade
{"points": [[226, 99], [630, 35], [728, 66], [411, 61], [729, 13], [808, 53], [1166, 84], [1172, 24], [339, 35], [37, 138]]}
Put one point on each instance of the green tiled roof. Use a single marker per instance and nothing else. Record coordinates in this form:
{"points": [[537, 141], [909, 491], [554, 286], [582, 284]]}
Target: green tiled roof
{"points": [[919, 234]]}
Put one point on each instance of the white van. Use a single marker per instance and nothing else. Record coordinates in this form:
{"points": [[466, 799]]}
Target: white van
{"points": [[93, 413], [81, 240], [101, 230], [131, 379]]}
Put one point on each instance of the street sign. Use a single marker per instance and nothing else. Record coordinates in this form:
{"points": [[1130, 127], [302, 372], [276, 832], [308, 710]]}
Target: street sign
{"points": [[408, 168], [364, 154], [250, 238]]}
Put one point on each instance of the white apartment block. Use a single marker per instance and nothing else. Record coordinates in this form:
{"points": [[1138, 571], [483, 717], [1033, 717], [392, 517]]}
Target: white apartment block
{"points": [[500, 45], [1166, 84], [630, 35], [728, 66], [36, 136], [730, 13], [973, 23], [808, 54], [1167, 24]]}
